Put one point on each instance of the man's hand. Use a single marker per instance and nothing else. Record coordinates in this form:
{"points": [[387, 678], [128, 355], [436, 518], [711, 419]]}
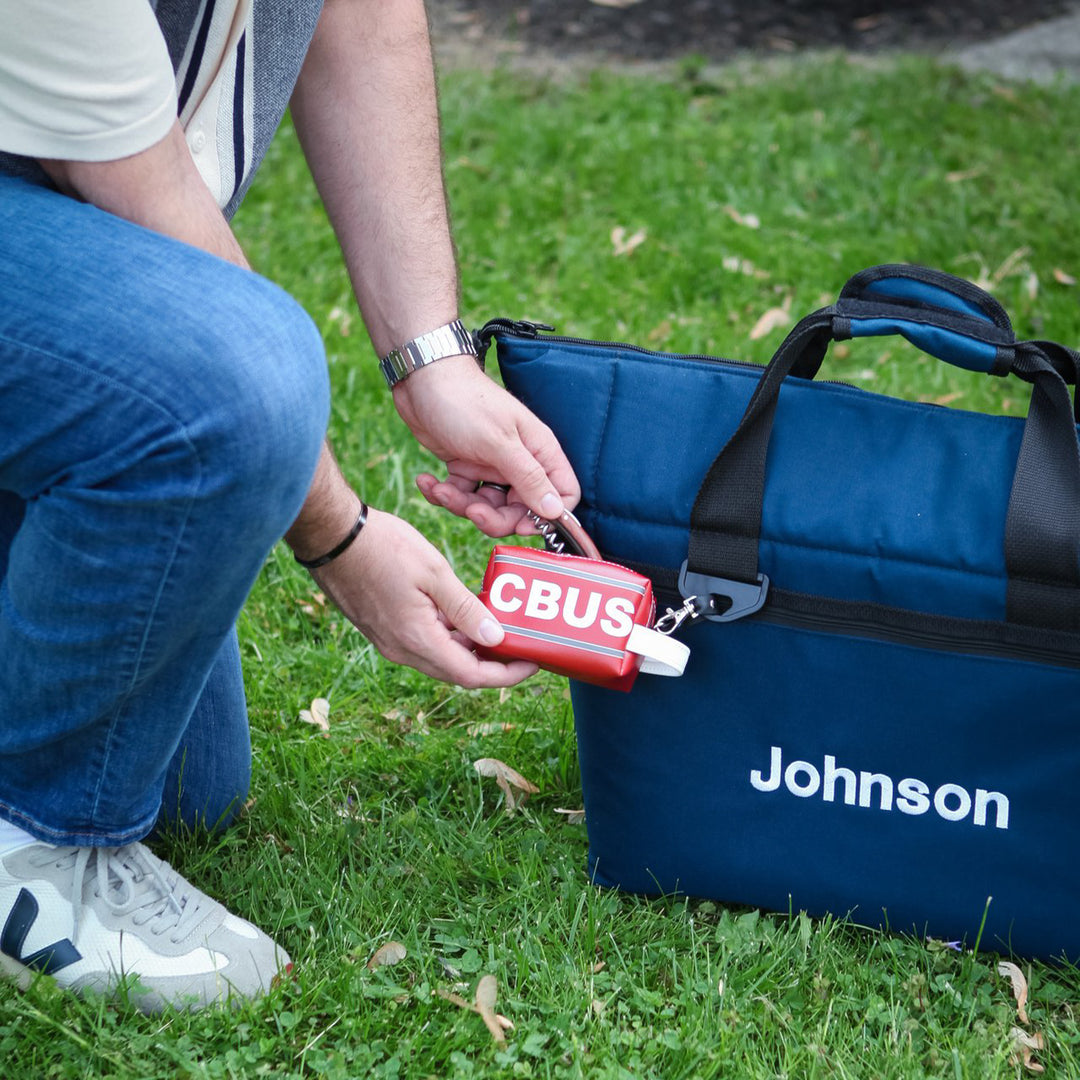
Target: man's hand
{"points": [[401, 594], [484, 433]]}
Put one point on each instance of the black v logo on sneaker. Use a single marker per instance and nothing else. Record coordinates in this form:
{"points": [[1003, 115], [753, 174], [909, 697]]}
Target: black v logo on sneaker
{"points": [[49, 960]]}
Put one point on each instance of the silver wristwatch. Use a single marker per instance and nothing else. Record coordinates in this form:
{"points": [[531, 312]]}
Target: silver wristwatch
{"points": [[449, 340]]}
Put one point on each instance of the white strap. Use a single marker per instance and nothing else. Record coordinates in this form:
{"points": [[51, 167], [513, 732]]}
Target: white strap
{"points": [[663, 654]]}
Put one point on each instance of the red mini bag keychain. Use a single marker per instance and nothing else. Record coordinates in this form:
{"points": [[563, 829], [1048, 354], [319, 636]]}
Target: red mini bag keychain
{"points": [[576, 614]]}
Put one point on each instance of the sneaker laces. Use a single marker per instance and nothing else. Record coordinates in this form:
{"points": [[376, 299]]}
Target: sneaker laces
{"points": [[130, 881]]}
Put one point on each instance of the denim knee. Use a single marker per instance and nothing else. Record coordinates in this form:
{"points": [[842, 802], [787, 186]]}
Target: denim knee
{"points": [[260, 413]]}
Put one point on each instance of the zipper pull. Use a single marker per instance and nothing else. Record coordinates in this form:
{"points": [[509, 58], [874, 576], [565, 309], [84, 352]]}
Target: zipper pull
{"points": [[526, 328], [520, 327]]}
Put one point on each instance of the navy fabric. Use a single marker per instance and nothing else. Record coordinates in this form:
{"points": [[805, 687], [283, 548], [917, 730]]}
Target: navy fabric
{"points": [[670, 806], [923, 292], [869, 500], [947, 345], [867, 497]]}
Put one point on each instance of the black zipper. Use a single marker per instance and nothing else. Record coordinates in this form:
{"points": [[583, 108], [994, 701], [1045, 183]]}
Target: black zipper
{"points": [[949, 635], [900, 626], [532, 330], [526, 329]]}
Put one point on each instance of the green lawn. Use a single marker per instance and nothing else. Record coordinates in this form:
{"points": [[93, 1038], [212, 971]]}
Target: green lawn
{"points": [[758, 189]]}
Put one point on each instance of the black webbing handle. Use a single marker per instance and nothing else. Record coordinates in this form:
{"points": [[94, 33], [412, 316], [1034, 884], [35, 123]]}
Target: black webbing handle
{"points": [[1042, 530], [1042, 533]]}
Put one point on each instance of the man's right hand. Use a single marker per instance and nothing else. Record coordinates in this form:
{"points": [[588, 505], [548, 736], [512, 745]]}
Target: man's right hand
{"points": [[401, 594]]}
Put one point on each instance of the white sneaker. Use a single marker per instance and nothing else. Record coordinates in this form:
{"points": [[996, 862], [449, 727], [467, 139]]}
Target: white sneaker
{"points": [[91, 916]]}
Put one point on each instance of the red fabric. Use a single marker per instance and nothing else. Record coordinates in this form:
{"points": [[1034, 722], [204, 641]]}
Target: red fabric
{"points": [[567, 614]]}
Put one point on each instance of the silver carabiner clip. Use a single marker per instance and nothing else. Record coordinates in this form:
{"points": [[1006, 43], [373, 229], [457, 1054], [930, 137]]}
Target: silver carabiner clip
{"points": [[673, 618]]}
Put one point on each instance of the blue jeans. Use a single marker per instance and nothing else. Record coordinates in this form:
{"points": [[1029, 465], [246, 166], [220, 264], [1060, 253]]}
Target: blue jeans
{"points": [[161, 413]]}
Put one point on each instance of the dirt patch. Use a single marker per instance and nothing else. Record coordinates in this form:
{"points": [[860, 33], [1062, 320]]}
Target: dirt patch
{"points": [[717, 30]]}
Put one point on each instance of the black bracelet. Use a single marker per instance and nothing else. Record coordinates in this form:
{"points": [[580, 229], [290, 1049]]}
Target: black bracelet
{"points": [[333, 553]]}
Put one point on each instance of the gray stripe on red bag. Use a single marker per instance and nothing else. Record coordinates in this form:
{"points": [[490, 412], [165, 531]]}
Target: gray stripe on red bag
{"points": [[571, 643]]}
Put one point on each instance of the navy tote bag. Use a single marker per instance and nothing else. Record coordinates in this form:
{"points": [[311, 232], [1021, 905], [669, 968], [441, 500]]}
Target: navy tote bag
{"points": [[880, 717]]}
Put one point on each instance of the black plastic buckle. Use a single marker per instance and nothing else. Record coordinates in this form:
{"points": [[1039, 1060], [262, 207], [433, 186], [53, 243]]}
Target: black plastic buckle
{"points": [[744, 597]]}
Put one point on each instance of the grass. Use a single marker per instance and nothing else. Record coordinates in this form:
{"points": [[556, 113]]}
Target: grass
{"points": [[383, 831]]}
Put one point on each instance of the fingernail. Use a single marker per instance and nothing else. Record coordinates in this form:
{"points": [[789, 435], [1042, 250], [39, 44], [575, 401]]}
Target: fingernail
{"points": [[551, 506], [491, 633]]}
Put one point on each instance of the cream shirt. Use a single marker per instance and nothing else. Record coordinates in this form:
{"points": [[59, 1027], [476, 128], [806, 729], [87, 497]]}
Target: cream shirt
{"points": [[91, 80]]}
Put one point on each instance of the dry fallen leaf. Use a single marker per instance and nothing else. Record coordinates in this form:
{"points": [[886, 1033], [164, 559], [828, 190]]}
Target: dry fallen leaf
{"points": [[943, 399], [1019, 987], [514, 786], [1023, 1045], [750, 221], [1012, 265], [869, 22], [490, 727], [964, 174], [623, 244], [573, 817], [487, 993], [1063, 278], [315, 606], [456, 999], [280, 844], [393, 952], [660, 332], [771, 320], [733, 264], [343, 318], [318, 714]]}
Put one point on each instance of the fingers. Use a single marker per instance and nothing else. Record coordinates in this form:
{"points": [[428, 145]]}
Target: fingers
{"points": [[445, 649], [468, 620], [400, 592], [493, 438], [491, 510], [464, 611], [529, 480], [542, 463], [509, 520], [458, 493]]}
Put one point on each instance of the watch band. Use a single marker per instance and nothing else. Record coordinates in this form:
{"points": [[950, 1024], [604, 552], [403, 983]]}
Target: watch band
{"points": [[449, 340]]}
